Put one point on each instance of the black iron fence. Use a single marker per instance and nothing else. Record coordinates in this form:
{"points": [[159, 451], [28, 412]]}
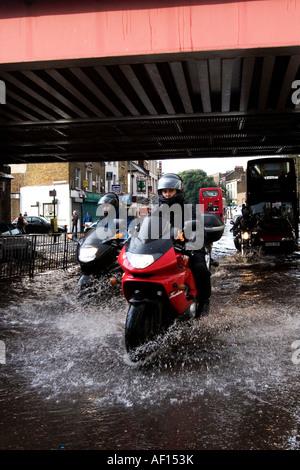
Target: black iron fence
{"points": [[27, 255]]}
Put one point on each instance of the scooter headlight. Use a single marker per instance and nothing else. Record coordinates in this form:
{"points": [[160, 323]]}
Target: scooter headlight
{"points": [[245, 235], [87, 254], [139, 261]]}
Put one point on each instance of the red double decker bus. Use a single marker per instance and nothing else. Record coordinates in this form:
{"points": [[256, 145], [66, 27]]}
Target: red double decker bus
{"points": [[213, 201]]}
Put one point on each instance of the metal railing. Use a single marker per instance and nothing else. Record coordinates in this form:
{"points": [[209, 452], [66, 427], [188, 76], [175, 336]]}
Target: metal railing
{"points": [[27, 255]]}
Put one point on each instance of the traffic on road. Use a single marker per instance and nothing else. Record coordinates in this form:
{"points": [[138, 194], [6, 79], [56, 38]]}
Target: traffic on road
{"points": [[229, 380]]}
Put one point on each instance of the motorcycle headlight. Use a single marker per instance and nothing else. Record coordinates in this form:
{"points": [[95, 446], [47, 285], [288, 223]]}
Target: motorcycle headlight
{"points": [[245, 235], [139, 261], [87, 254]]}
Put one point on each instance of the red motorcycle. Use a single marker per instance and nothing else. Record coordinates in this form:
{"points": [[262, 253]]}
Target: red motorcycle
{"points": [[157, 282]]}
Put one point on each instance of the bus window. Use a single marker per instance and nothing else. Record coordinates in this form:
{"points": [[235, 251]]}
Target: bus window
{"points": [[269, 170], [210, 193], [271, 177]]}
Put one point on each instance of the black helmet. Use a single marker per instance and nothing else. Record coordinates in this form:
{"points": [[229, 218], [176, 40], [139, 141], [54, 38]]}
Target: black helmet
{"points": [[109, 198], [246, 210], [171, 181]]}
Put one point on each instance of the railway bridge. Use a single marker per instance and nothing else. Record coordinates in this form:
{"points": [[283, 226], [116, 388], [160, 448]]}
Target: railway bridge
{"points": [[148, 79]]}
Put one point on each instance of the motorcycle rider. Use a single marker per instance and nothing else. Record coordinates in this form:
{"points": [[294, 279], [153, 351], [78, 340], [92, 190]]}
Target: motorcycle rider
{"points": [[244, 222], [171, 191], [109, 210], [94, 252]]}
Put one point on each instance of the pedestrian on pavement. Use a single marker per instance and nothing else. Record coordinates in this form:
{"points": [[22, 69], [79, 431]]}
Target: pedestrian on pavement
{"points": [[74, 222], [88, 218], [21, 223]]}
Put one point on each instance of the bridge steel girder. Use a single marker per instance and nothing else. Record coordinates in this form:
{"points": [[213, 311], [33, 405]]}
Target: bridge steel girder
{"points": [[148, 79], [35, 30]]}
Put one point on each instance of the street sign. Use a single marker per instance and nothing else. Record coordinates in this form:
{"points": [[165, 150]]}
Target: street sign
{"points": [[116, 188]]}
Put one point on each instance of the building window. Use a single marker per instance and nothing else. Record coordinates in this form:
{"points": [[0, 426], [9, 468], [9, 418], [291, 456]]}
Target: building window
{"points": [[77, 178], [98, 183], [89, 177]]}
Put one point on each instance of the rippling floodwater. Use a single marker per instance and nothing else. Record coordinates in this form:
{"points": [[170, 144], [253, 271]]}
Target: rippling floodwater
{"points": [[226, 381]]}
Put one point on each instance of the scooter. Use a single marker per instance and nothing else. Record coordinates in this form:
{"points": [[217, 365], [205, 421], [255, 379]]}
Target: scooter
{"points": [[157, 281]]}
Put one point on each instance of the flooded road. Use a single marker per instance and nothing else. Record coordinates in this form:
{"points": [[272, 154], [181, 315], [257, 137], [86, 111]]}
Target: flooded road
{"points": [[227, 381]]}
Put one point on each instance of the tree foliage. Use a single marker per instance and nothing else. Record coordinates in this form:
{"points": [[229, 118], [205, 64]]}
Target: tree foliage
{"points": [[194, 180]]}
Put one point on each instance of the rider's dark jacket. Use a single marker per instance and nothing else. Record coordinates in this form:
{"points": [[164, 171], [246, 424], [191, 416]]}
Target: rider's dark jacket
{"points": [[244, 223], [188, 211]]}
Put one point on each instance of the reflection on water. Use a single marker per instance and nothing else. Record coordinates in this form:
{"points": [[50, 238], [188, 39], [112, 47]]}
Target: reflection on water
{"points": [[226, 381]]}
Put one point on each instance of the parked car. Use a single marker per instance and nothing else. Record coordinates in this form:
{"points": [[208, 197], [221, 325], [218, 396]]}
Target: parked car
{"points": [[7, 228], [38, 225], [13, 244]]}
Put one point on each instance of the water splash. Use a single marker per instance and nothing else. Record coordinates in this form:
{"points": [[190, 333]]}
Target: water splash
{"points": [[66, 347]]}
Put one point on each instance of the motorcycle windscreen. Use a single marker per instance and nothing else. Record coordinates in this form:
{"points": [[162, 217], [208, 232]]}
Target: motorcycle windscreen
{"points": [[101, 233], [94, 246], [154, 236]]}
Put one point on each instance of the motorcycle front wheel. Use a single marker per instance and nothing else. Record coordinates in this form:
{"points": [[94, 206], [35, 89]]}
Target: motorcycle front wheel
{"points": [[144, 323], [245, 249]]}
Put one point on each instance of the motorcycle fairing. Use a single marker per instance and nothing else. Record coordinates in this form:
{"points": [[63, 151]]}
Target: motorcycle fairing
{"points": [[177, 284]]}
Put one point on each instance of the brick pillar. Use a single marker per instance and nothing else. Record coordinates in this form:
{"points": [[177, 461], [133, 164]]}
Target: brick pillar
{"points": [[5, 183]]}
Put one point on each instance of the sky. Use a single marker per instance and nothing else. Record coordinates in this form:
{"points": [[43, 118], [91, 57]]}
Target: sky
{"points": [[209, 165]]}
